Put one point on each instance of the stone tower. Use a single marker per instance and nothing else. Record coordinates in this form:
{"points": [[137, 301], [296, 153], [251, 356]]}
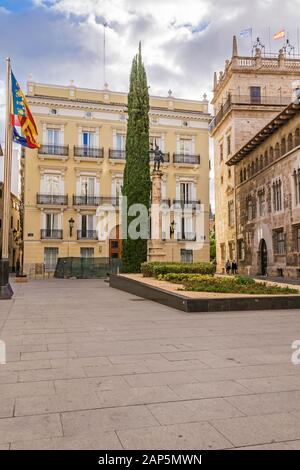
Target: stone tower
{"points": [[247, 95]]}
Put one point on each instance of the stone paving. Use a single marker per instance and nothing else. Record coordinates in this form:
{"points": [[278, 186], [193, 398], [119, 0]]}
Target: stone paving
{"points": [[90, 367]]}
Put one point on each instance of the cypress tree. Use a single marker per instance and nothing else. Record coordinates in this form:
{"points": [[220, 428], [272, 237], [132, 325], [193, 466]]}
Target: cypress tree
{"points": [[137, 183]]}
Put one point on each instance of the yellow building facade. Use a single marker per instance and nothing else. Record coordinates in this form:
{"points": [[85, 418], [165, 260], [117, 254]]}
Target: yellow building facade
{"points": [[14, 241], [80, 166]]}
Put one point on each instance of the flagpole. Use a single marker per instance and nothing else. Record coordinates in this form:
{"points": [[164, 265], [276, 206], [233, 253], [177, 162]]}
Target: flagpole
{"points": [[6, 291]]}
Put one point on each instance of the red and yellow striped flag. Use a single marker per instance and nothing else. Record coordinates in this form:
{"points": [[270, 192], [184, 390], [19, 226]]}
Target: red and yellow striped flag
{"points": [[279, 35]]}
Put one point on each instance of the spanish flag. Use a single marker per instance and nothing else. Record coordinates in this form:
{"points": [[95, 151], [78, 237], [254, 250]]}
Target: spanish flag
{"points": [[279, 35], [22, 117]]}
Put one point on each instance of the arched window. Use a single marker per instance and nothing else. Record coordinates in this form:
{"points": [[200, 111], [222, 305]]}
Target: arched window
{"points": [[277, 151], [283, 146], [290, 143], [256, 164], [271, 152], [297, 137], [261, 162], [248, 171], [252, 168], [245, 174], [266, 158], [241, 176]]}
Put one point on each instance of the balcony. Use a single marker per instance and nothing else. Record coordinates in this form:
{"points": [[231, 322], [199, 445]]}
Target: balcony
{"points": [[59, 151], [117, 154], [95, 201], [87, 235], [186, 159], [180, 203], [88, 152], [244, 100], [52, 199], [51, 234], [187, 237]]}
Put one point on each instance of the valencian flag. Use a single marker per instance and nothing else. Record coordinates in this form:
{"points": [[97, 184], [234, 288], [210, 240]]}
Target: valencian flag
{"points": [[279, 35], [22, 117]]}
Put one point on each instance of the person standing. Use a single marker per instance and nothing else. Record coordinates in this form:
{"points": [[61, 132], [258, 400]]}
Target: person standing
{"points": [[228, 267], [234, 267]]}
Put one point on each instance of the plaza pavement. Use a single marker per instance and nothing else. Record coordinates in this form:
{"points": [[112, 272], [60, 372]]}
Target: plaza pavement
{"points": [[90, 367]]}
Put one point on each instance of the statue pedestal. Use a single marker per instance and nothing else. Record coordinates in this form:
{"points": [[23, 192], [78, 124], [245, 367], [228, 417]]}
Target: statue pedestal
{"points": [[156, 245]]}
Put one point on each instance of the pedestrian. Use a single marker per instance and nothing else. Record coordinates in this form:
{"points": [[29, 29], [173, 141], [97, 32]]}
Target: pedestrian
{"points": [[234, 267], [228, 267]]}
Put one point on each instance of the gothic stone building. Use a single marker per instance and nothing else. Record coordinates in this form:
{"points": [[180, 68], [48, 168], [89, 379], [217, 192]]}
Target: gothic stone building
{"points": [[267, 198], [249, 93]]}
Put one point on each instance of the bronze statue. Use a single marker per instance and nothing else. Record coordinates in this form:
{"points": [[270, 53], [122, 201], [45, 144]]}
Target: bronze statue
{"points": [[158, 157]]}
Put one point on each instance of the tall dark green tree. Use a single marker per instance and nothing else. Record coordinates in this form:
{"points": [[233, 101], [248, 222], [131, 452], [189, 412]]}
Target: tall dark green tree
{"points": [[137, 183]]}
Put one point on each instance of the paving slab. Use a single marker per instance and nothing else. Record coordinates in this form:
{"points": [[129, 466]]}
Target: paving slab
{"points": [[121, 373]]}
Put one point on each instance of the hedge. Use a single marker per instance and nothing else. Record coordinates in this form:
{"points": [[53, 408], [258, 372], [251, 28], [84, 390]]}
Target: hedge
{"points": [[230, 285], [156, 269]]}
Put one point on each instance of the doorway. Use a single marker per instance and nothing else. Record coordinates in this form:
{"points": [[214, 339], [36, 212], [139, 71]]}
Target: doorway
{"points": [[263, 258], [115, 244]]}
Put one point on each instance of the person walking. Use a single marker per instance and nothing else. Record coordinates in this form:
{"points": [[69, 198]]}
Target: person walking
{"points": [[234, 267], [228, 267]]}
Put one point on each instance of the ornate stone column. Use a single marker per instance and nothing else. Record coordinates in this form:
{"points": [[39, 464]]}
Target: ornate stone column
{"points": [[155, 244]]}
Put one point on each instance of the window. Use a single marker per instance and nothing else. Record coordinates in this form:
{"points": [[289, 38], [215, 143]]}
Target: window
{"points": [[277, 150], [120, 141], [229, 173], [283, 146], [279, 242], [266, 158], [53, 136], [187, 228], [221, 153], [241, 250], [223, 251], [87, 224], [88, 139], [296, 176], [230, 213], [290, 143], [271, 154], [186, 192], [185, 146], [228, 145], [297, 137], [154, 140], [277, 195], [186, 256], [87, 252], [249, 208], [50, 259], [51, 184], [11, 222], [231, 250], [297, 237], [87, 184], [255, 94], [261, 202], [52, 222]]}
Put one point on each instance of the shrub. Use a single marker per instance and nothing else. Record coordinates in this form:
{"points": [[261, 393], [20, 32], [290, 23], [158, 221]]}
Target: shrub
{"points": [[230, 285], [156, 269]]}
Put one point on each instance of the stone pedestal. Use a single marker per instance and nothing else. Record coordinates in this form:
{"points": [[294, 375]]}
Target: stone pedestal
{"points": [[155, 244]]}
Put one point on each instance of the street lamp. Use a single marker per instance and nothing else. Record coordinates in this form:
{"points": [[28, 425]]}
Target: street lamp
{"points": [[71, 225]]}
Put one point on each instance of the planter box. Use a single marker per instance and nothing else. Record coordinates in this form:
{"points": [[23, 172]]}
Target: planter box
{"points": [[21, 279]]}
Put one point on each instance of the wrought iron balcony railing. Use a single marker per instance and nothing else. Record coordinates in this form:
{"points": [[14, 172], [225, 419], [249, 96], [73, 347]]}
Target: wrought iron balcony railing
{"points": [[87, 235], [52, 199], [51, 234], [86, 201], [187, 159], [115, 154], [95, 201], [187, 236], [185, 203], [57, 150], [241, 100], [88, 152]]}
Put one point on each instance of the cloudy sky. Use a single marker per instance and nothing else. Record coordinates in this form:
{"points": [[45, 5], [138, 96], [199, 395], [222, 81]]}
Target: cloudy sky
{"points": [[184, 42]]}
